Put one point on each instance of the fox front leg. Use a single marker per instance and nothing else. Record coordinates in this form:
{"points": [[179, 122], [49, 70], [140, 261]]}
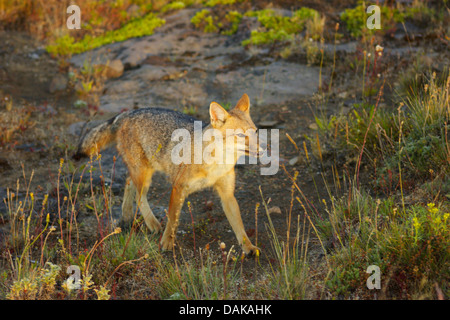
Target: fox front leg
{"points": [[225, 189], [176, 203]]}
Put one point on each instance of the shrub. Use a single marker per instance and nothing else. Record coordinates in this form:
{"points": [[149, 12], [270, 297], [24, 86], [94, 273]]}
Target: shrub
{"points": [[409, 244]]}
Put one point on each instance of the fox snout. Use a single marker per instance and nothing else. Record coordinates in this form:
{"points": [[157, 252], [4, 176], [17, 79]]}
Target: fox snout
{"points": [[262, 148], [258, 151], [256, 148]]}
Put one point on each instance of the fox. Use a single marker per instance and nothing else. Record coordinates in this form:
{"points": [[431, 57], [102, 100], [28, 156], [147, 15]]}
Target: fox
{"points": [[143, 138]]}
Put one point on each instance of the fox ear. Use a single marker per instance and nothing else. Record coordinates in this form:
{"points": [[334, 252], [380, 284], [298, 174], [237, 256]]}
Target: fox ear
{"points": [[243, 103], [218, 114]]}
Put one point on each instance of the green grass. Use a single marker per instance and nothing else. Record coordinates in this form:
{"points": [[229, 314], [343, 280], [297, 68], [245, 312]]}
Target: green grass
{"points": [[401, 225], [412, 137], [410, 245], [127, 264]]}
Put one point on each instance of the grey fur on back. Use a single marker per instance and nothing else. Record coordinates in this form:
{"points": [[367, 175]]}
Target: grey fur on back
{"points": [[156, 126]]}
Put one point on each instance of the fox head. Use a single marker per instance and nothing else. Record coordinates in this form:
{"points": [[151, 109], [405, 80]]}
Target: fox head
{"points": [[237, 128]]}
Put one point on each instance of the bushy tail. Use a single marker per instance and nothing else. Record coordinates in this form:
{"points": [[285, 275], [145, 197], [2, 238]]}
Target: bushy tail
{"points": [[97, 139]]}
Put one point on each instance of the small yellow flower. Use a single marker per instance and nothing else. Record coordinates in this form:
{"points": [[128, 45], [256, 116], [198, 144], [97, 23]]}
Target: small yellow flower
{"points": [[416, 223], [432, 208], [222, 246], [44, 202]]}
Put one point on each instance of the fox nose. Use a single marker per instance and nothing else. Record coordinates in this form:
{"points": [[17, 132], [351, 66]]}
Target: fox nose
{"points": [[262, 149]]}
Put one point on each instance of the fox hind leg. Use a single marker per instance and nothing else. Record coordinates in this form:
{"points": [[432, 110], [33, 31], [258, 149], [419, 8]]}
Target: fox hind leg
{"points": [[149, 218], [142, 180]]}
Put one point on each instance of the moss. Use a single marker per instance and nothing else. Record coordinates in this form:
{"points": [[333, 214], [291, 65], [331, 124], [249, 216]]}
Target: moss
{"points": [[172, 6], [140, 27], [213, 3], [205, 20], [208, 22], [355, 18], [265, 37], [276, 27], [233, 19]]}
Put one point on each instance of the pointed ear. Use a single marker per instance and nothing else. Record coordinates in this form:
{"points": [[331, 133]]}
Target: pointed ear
{"points": [[243, 103], [218, 114]]}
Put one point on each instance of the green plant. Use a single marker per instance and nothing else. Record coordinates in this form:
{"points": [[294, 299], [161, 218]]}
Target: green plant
{"points": [[202, 279], [173, 6], [276, 27], [232, 20], [213, 3], [403, 241], [40, 283], [88, 82], [139, 27], [424, 144], [355, 19], [205, 20], [421, 13], [289, 276]]}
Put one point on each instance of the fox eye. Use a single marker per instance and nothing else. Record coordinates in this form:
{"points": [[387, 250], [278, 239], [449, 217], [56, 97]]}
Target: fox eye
{"points": [[241, 135]]}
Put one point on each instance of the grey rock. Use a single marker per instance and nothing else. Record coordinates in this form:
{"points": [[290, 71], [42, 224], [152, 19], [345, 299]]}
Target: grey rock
{"points": [[114, 69]]}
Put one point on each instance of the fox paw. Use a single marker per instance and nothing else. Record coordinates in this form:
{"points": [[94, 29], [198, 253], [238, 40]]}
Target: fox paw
{"points": [[167, 243], [153, 225], [252, 251]]}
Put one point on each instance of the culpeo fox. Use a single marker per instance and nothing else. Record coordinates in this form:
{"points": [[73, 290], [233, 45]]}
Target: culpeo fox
{"points": [[143, 139]]}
